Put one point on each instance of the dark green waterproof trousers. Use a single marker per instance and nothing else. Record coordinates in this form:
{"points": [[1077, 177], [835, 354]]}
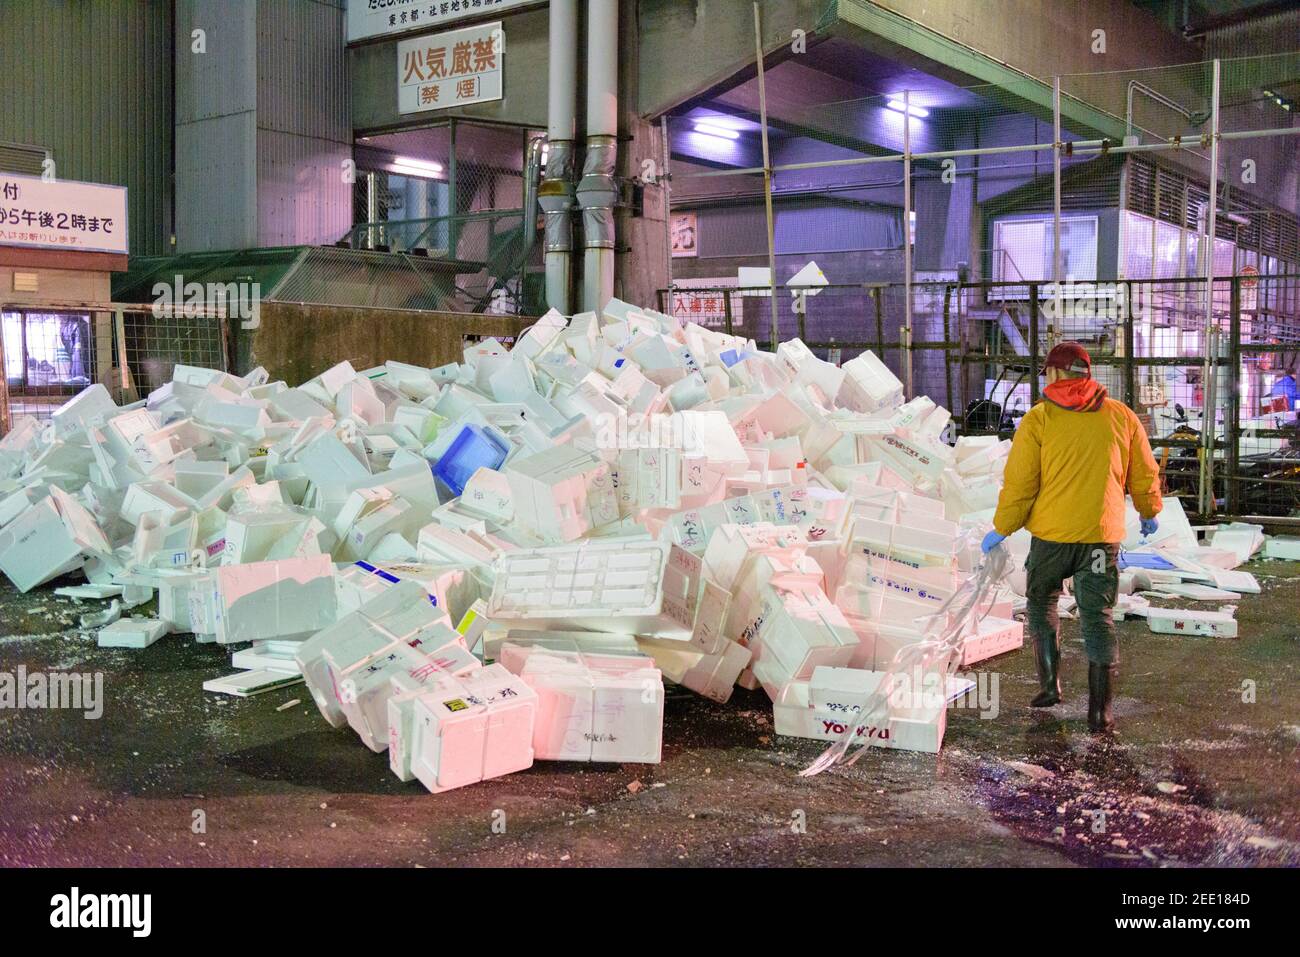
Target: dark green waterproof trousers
{"points": [[1095, 570]]}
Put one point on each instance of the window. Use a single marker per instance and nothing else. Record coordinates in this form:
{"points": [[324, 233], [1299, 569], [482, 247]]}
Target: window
{"points": [[1022, 250]]}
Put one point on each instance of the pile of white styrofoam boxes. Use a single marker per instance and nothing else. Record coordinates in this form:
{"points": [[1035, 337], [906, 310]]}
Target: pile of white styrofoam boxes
{"points": [[640, 500]]}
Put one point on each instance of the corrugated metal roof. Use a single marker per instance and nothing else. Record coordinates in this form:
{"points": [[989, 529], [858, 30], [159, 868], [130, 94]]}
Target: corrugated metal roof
{"points": [[92, 83]]}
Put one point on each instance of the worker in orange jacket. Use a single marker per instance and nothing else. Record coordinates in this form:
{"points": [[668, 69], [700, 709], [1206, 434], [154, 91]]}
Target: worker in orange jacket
{"points": [[1073, 457]]}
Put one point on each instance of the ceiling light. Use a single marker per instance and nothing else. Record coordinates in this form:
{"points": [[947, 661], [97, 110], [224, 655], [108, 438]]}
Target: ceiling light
{"points": [[708, 129], [919, 112], [406, 166]]}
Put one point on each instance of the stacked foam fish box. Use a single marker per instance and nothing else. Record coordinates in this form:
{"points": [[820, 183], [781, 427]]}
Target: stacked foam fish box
{"points": [[591, 706]]}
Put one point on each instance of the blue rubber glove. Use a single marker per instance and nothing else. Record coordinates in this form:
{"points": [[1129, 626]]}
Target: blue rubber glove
{"points": [[991, 541], [1149, 526]]}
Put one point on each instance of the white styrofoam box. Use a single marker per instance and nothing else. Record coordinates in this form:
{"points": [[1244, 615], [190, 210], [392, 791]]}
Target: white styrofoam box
{"points": [[245, 684], [613, 586], [487, 495], [195, 479], [1185, 621], [882, 605], [562, 493], [14, 504], [880, 641], [452, 589], [798, 630], [89, 407], [929, 585], [991, 637], [50, 538], [142, 497], [649, 478], [693, 528], [1240, 537], [482, 729], [778, 415], [732, 548], [296, 405], [222, 494], [241, 415], [183, 600], [589, 642], [708, 633], [327, 462], [359, 502], [592, 707], [438, 545], [712, 676], [131, 633], [541, 335], [916, 457], [868, 385], [400, 612], [393, 517], [807, 369], [781, 570], [1286, 547], [1174, 528], [271, 655], [277, 599], [903, 543], [365, 686], [1194, 591], [252, 532], [121, 431], [794, 715], [710, 434], [36, 547]]}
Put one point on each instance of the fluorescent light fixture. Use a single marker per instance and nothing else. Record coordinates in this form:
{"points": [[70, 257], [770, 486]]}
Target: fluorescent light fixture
{"points": [[708, 129], [407, 166], [919, 112]]}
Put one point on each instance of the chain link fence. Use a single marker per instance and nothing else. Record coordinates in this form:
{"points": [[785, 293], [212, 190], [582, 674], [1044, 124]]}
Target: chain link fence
{"points": [[455, 194]]}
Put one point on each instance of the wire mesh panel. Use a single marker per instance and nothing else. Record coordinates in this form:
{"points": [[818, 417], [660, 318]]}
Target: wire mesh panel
{"points": [[156, 344], [1260, 473], [455, 193]]}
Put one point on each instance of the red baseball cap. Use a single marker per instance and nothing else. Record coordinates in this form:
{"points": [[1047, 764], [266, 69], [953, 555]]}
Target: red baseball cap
{"points": [[1068, 357]]}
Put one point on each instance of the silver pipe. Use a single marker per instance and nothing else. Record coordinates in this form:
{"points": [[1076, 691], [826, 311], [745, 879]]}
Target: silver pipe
{"points": [[767, 175], [555, 195]]}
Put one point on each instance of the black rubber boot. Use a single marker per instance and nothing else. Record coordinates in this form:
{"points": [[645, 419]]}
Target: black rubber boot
{"points": [[1101, 689], [1047, 655]]}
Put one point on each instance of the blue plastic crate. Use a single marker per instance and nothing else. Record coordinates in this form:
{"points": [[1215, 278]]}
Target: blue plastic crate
{"points": [[474, 448]]}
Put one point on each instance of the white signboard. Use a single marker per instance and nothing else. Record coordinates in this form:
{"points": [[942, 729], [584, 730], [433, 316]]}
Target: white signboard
{"points": [[707, 306], [443, 70], [62, 214], [375, 18]]}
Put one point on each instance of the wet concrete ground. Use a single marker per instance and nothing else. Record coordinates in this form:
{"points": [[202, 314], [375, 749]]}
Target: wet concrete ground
{"points": [[1199, 774]]}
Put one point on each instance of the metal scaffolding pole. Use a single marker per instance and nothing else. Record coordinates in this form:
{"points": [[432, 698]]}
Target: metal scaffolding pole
{"points": [[1208, 368], [767, 174], [1056, 214], [908, 378]]}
